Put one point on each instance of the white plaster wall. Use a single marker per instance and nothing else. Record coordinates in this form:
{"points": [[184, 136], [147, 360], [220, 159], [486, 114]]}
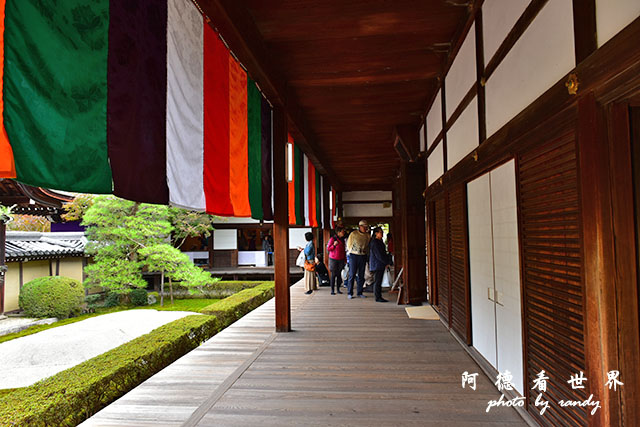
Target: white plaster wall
{"points": [[296, 237], [481, 267], [434, 119], [498, 18], [225, 239], [504, 212], [367, 195], [436, 164], [542, 56], [613, 15], [462, 74], [462, 138], [366, 210]]}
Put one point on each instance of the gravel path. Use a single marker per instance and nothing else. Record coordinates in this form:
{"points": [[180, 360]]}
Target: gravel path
{"points": [[34, 357]]}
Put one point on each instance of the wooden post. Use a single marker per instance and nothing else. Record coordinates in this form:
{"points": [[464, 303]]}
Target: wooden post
{"points": [[601, 327], [210, 247], [398, 262], [412, 186], [624, 134], [326, 221], [3, 237], [281, 222]]}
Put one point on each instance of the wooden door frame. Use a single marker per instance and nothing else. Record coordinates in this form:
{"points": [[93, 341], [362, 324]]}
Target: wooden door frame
{"points": [[612, 339], [626, 279]]}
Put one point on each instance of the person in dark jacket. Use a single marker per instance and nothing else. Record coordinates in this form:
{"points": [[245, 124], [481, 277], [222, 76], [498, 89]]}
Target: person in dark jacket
{"points": [[378, 261]]}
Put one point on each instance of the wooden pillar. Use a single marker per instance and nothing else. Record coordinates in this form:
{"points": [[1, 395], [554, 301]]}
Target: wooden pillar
{"points": [[624, 134], [326, 221], [601, 327], [398, 262], [3, 268], [281, 222], [339, 206], [210, 247], [412, 186]]}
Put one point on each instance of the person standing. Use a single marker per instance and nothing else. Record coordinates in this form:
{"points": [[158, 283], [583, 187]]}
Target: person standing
{"points": [[337, 259], [379, 259], [358, 247], [310, 283], [268, 250]]}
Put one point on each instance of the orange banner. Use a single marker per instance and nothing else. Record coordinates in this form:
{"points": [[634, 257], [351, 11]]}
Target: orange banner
{"points": [[238, 140]]}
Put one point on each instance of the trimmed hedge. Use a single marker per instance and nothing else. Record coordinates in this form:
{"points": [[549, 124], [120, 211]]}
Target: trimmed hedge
{"points": [[220, 289], [234, 307], [52, 296], [71, 396]]}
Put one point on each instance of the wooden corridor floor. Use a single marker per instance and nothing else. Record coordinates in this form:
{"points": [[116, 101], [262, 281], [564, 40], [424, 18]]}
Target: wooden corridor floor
{"points": [[347, 363]]}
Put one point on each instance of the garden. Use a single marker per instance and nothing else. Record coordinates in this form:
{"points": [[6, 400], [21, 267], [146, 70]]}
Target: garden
{"points": [[127, 240]]}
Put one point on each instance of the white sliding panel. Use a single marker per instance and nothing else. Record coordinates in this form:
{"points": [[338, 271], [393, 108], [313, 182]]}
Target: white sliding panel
{"points": [[296, 237], [462, 74], [434, 119], [498, 18], [225, 239], [504, 212], [541, 57], [462, 138], [436, 164], [613, 15], [481, 267]]}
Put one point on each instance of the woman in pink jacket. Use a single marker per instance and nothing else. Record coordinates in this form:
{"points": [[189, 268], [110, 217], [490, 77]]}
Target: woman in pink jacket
{"points": [[337, 259]]}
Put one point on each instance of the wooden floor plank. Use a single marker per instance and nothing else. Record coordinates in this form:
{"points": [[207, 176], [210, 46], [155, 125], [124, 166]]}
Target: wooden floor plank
{"points": [[347, 362]]}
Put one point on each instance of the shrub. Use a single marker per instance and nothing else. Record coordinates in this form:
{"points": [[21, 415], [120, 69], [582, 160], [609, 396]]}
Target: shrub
{"points": [[52, 296], [93, 302], [71, 396], [219, 289], [111, 300], [234, 307], [138, 297], [93, 299]]}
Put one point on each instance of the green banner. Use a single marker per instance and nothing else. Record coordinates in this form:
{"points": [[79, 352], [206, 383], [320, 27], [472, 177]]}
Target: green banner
{"points": [[55, 92]]}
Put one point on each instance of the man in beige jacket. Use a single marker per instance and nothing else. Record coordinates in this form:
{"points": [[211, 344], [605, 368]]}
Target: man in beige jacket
{"points": [[358, 248]]}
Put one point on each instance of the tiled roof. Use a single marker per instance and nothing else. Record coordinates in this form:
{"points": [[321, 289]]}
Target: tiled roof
{"points": [[22, 246]]}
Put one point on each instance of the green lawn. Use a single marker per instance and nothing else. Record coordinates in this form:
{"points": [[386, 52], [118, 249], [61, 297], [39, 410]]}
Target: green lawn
{"points": [[193, 304]]}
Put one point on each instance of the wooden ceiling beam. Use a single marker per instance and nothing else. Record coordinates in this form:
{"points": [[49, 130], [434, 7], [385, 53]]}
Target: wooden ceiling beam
{"points": [[365, 80], [236, 26]]}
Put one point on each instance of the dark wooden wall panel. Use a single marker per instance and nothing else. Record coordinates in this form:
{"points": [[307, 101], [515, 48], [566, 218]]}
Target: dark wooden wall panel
{"points": [[225, 258], [459, 276], [552, 259], [442, 263]]}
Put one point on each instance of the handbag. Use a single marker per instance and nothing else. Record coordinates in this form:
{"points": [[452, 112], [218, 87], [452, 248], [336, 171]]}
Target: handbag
{"points": [[300, 259], [309, 265]]}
